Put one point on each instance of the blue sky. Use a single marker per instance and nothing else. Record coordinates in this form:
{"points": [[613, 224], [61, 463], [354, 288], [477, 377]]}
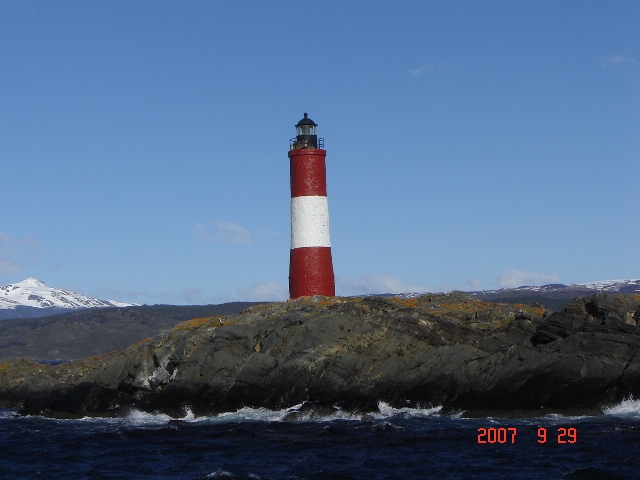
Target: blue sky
{"points": [[470, 145]]}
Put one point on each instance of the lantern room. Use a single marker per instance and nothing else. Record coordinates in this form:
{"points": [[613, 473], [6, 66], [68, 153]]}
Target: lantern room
{"points": [[306, 135]]}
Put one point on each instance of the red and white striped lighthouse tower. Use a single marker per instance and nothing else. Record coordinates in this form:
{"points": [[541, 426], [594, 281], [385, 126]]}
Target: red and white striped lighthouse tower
{"points": [[310, 266]]}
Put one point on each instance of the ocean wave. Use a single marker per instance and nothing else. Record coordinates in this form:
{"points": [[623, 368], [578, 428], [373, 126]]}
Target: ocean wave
{"points": [[387, 411], [226, 474], [629, 407], [563, 418], [7, 413], [300, 414], [297, 413]]}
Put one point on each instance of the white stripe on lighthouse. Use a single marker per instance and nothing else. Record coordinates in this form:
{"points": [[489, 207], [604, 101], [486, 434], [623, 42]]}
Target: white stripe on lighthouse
{"points": [[309, 222]]}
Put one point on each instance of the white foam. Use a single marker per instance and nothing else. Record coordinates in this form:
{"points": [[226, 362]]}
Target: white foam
{"points": [[264, 415], [387, 411], [253, 414], [384, 411], [629, 407], [558, 417], [133, 417], [220, 474], [138, 417], [312, 416], [226, 474], [7, 413]]}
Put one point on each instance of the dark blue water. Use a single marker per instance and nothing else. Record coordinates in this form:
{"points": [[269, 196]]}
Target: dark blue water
{"points": [[255, 444]]}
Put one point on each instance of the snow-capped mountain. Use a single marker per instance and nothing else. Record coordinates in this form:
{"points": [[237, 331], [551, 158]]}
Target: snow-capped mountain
{"points": [[553, 296], [30, 294], [556, 295], [617, 286], [610, 286]]}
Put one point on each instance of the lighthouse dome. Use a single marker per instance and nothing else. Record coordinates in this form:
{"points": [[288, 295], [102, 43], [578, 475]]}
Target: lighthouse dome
{"points": [[306, 135], [306, 121]]}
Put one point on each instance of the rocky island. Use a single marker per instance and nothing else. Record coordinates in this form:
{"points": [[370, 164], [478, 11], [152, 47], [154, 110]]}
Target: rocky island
{"points": [[449, 350]]}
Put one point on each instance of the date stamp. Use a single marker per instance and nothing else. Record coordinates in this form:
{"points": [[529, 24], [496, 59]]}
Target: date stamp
{"points": [[508, 435]]}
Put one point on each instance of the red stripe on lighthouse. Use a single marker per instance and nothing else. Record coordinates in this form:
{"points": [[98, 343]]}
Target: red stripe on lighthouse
{"points": [[311, 272], [308, 172]]}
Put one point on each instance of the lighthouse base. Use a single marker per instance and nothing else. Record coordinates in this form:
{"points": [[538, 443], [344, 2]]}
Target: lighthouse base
{"points": [[311, 272]]}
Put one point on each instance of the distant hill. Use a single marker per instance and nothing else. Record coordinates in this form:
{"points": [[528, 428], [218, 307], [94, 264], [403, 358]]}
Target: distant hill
{"points": [[553, 296], [97, 331], [557, 295], [32, 298]]}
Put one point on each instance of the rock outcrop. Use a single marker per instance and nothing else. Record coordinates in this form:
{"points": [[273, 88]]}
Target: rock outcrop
{"points": [[96, 331], [451, 350]]}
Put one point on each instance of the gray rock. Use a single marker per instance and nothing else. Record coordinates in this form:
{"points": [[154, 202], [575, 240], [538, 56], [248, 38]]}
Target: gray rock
{"points": [[451, 350]]}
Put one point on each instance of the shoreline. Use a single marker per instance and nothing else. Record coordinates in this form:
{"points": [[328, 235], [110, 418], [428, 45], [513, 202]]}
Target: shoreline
{"points": [[451, 350]]}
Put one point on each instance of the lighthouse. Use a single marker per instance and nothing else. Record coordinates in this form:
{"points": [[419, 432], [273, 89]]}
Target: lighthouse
{"points": [[310, 264]]}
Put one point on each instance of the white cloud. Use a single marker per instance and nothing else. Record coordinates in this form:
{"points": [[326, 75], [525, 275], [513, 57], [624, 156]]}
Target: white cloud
{"points": [[223, 232], [471, 285], [189, 296], [430, 68], [618, 59], [266, 291], [117, 294], [7, 267], [517, 278], [614, 59], [421, 70], [375, 284], [259, 292], [13, 251]]}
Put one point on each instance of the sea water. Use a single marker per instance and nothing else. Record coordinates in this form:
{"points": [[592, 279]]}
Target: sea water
{"points": [[264, 444]]}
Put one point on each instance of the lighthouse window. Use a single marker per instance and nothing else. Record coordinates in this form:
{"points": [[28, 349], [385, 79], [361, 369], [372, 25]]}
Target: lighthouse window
{"points": [[306, 130]]}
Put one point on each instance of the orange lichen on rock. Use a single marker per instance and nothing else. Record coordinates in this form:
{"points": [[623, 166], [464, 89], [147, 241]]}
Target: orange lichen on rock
{"points": [[214, 321], [141, 342], [405, 302]]}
